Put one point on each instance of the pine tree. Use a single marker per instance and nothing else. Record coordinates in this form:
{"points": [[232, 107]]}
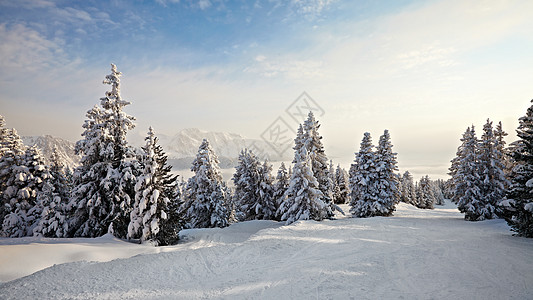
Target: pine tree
{"points": [[506, 157], [312, 141], [54, 200], [363, 181], [246, 182], [342, 190], [11, 151], [491, 170], [304, 198], [154, 216], [519, 205], [437, 193], [426, 198], [408, 189], [104, 184], [267, 206], [206, 198], [468, 189], [387, 183], [280, 187], [28, 174]]}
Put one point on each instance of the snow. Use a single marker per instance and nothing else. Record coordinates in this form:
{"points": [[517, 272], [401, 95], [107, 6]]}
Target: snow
{"points": [[415, 254]]}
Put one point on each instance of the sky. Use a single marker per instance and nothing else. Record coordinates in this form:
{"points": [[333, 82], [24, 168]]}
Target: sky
{"points": [[424, 70]]}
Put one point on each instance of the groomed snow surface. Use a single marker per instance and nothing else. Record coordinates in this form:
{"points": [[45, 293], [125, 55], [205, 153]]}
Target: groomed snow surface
{"points": [[416, 254]]}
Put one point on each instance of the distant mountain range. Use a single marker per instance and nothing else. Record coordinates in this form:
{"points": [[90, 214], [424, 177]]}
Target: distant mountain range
{"points": [[181, 148], [47, 143]]}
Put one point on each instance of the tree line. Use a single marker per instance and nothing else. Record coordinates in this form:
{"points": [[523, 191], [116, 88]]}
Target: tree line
{"points": [[132, 193]]}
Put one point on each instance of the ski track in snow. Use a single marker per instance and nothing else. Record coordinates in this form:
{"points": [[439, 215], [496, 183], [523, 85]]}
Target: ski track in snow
{"points": [[416, 254]]}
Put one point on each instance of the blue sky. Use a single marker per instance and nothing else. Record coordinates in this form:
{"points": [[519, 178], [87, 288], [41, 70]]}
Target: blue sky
{"points": [[425, 70]]}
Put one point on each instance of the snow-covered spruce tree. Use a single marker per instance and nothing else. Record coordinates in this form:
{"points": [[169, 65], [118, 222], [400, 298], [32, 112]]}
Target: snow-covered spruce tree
{"points": [[491, 170], [11, 152], [54, 200], [437, 192], [518, 209], [387, 184], [506, 159], [304, 198], [28, 174], [342, 190], [363, 182], [246, 182], [468, 186], [426, 198], [312, 141], [154, 216], [207, 199], [280, 187], [104, 183], [267, 205], [408, 189]]}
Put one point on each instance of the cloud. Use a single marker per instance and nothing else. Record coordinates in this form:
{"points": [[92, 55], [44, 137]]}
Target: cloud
{"points": [[27, 4], [24, 50]]}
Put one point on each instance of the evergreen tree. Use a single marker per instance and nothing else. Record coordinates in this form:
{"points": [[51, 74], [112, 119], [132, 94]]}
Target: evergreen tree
{"points": [[304, 198], [312, 141], [519, 205], [266, 206], [437, 193], [28, 174], [154, 216], [54, 200], [104, 184], [364, 200], [506, 158], [11, 151], [408, 189], [387, 183], [342, 190], [426, 198], [468, 191], [280, 187], [491, 170], [246, 181], [206, 198]]}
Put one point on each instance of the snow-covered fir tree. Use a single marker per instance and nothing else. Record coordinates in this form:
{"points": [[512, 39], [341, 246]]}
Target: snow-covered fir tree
{"points": [[408, 194], [491, 171], [387, 183], [364, 199], [506, 159], [518, 208], [155, 214], [28, 174], [253, 188], [280, 187], [312, 141], [468, 185], [104, 183], [11, 152], [207, 198], [342, 188], [54, 200], [246, 181], [437, 192], [304, 198], [426, 198]]}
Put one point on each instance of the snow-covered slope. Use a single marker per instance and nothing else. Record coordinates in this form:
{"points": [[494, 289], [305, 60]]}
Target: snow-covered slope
{"points": [[47, 143], [416, 254]]}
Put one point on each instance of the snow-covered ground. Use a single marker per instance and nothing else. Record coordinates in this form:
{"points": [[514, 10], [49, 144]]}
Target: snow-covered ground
{"points": [[416, 254]]}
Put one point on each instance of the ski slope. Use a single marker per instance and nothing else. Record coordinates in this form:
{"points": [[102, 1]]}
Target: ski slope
{"points": [[416, 254]]}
